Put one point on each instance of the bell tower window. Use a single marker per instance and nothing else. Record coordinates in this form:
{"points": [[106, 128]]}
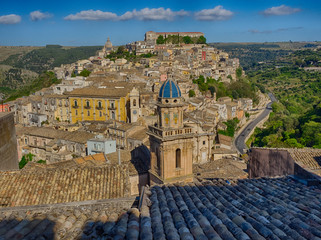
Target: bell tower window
{"points": [[158, 165], [178, 158]]}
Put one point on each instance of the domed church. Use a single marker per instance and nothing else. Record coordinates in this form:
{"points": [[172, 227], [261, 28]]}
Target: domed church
{"points": [[171, 143]]}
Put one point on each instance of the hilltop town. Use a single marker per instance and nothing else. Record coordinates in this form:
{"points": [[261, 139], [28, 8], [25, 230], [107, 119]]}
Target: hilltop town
{"points": [[117, 100], [137, 142]]}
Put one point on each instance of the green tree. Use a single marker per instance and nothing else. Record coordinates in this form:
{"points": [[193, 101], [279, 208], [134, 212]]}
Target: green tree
{"points": [[201, 40], [310, 132], [120, 50], [212, 90], [187, 40], [231, 127], [84, 73], [25, 159], [191, 93], [239, 72], [160, 39]]}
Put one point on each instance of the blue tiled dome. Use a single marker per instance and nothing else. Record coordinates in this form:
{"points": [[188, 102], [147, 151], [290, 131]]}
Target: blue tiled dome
{"points": [[169, 89]]}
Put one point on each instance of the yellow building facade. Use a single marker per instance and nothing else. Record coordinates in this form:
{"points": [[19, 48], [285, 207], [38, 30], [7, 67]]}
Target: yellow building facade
{"points": [[98, 105]]}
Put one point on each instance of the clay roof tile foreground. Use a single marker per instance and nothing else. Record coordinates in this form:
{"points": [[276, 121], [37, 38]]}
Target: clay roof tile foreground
{"points": [[307, 157], [61, 185], [266, 208]]}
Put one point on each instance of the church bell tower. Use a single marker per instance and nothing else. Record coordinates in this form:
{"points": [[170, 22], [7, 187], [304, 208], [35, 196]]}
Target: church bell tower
{"points": [[171, 143], [134, 105]]}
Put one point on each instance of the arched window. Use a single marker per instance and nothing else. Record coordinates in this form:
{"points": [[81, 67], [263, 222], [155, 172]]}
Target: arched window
{"points": [[87, 103], [178, 158], [158, 165], [99, 104], [134, 103], [75, 103]]}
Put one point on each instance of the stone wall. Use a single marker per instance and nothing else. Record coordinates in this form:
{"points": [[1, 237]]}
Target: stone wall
{"points": [[270, 163], [8, 142]]}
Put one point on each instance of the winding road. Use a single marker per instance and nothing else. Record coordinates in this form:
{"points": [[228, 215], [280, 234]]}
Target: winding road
{"points": [[239, 141]]}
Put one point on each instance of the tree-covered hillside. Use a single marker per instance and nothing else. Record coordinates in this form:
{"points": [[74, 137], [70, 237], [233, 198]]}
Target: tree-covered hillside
{"points": [[256, 56], [24, 72], [296, 117], [51, 56]]}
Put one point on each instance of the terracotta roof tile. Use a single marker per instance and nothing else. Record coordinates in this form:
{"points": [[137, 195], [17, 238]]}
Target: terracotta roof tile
{"points": [[307, 157], [212, 209], [59, 185], [76, 136]]}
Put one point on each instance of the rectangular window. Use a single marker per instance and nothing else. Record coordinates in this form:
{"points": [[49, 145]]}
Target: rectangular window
{"points": [[100, 114], [76, 112], [203, 142], [88, 113]]}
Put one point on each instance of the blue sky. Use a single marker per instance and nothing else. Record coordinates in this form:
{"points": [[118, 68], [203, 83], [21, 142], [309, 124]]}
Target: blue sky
{"points": [[80, 23]]}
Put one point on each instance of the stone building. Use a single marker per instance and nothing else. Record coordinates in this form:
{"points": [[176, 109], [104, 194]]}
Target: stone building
{"points": [[50, 144], [171, 143], [151, 36], [99, 144], [98, 104], [108, 47], [8, 142]]}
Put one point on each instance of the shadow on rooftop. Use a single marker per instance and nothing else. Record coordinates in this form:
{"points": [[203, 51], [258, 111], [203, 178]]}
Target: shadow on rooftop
{"points": [[318, 160], [17, 228]]}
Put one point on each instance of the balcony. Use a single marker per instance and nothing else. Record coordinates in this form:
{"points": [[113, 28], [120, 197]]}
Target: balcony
{"points": [[170, 132], [87, 107], [99, 107], [112, 108], [75, 106]]}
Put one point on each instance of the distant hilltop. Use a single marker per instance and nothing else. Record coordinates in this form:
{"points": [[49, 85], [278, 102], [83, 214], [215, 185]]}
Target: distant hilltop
{"points": [[152, 37]]}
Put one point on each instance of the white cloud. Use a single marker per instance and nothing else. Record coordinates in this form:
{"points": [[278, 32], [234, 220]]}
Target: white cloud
{"points": [[280, 10], [145, 14], [37, 15], [92, 15], [215, 14], [148, 14], [10, 19]]}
